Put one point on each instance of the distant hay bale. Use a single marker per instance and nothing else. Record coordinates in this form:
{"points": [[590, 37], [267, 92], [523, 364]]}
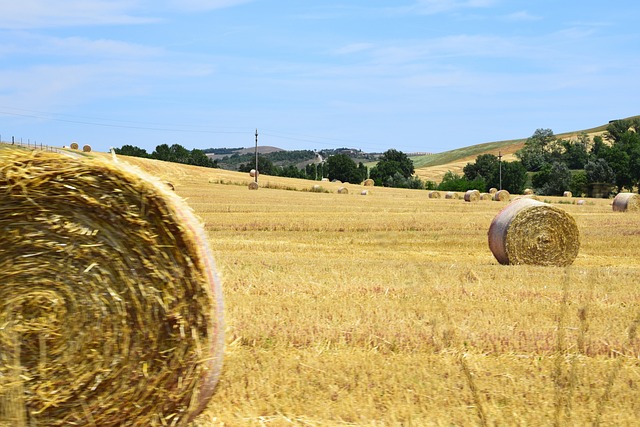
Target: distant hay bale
{"points": [[493, 190], [74, 146], [528, 192], [528, 231], [567, 194], [110, 305], [343, 190], [325, 179], [450, 195], [316, 189], [364, 193], [502, 196], [472, 196], [369, 182], [253, 185], [86, 148], [580, 202], [486, 196], [626, 202], [253, 173], [434, 194]]}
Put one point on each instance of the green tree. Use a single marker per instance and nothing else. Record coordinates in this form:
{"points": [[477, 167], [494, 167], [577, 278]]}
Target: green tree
{"points": [[575, 154], [553, 180], [514, 177], [538, 149], [454, 182], [391, 162], [579, 185], [343, 168], [599, 171], [131, 150], [487, 167]]}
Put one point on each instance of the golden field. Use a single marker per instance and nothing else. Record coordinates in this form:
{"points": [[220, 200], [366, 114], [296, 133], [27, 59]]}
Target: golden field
{"points": [[389, 309]]}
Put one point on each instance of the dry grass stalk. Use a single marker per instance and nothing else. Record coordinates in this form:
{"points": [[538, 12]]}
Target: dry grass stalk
{"points": [[472, 196], [624, 202], [501, 196], [531, 232], [110, 304], [434, 195]]}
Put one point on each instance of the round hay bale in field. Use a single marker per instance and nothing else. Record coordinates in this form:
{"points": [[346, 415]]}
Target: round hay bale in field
{"points": [[451, 195], [325, 179], [86, 148], [253, 185], [528, 231], [528, 191], [343, 190], [472, 196], [502, 196], [316, 189], [369, 182], [364, 193], [253, 173], [493, 190], [74, 146], [110, 305], [580, 202], [434, 194], [567, 194], [486, 196], [624, 202]]}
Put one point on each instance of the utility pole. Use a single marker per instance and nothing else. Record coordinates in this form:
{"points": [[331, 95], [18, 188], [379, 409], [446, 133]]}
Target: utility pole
{"points": [[256, 175], [500, 166]]}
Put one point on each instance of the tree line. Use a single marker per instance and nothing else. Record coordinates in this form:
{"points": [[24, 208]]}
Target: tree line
{"points": [[175, 153]]}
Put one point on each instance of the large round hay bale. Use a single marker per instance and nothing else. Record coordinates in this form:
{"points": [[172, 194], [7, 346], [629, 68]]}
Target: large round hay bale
{"points": [[493, 190], [434, 194], [624, 202], [369, 182], [567, 194], [253, 173], [74, 146], [472, 196], [451, 195], [86, 148], [486, 196], [110, 305], [528, 231], [364, 193], [253, 185], [343, 190], [528, 191], [502, 196]]}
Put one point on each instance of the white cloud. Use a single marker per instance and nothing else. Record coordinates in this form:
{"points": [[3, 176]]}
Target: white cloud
{"points": [[27, 14], [432, 7], [522, 15], [200, 5]]}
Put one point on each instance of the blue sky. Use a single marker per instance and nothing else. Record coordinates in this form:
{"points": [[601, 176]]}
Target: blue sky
{"points": [[415, 75]]}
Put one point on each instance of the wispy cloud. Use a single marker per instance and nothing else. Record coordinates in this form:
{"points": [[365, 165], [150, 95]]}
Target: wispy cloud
{"points": [[202, 5], [29, 14], [432, 7], [520, 16]]}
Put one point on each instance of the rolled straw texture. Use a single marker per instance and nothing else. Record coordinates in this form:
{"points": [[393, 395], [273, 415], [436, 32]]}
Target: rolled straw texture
{"points": [[110, 306], [450, 195], [369, 182], [486, 196], [531, 232], [501, 196], [434, 194], [626, 202], [471, 196]]}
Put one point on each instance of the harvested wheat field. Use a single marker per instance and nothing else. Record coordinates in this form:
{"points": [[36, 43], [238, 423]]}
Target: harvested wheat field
{"points": [[391, 310]]}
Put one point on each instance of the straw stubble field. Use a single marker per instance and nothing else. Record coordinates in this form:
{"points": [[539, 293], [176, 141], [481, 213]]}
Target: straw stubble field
{"points": [[389, 309]]}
